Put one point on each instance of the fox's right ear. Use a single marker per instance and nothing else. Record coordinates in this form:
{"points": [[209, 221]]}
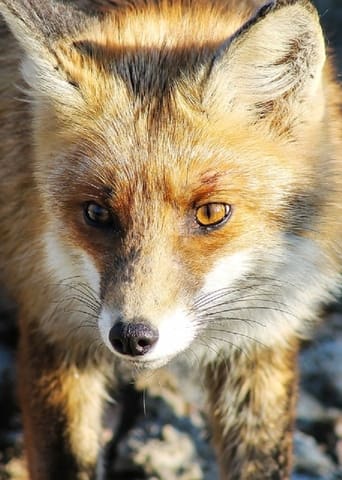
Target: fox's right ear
{"points": [[38, 25], [272, 68]]}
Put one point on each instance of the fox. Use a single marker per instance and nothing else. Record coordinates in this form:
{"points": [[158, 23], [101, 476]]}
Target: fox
{"points": [[171, 181]]}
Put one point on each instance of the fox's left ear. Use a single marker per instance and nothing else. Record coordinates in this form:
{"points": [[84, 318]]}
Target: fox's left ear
{"points": [[38, 26], [272, 67]]}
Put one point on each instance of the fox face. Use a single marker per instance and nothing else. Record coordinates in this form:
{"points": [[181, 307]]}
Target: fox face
{"points": [[179, 177]]}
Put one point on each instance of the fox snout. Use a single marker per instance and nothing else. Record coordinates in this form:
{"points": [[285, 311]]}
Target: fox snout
{"points": [[150, 339], [133, 339]]}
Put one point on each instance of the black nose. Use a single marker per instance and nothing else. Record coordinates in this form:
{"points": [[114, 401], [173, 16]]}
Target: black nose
{"points": [[133, 339]]}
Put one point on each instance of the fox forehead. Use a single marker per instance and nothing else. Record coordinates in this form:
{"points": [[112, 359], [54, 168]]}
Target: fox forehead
{"points": [[145, 48], [182, 166]]}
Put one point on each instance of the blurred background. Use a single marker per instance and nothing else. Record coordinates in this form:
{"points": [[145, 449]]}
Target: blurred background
{"points": [[331, 17], [171, 439]]}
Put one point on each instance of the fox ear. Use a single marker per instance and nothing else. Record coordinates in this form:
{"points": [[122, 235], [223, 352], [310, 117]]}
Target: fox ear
{"points": [[273, 65], [38, 25]]}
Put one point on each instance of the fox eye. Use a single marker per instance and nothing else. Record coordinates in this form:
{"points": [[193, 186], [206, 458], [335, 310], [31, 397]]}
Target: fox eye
{"points": [[213, 214], [96, 215]]}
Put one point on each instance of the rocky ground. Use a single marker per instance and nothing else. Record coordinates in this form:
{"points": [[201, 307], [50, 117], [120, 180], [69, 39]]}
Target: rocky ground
{"points": [[168, 438], [165, 436]]}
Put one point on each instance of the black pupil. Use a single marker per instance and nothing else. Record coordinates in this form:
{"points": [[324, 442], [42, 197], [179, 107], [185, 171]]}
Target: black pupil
{"points": [[208, 211]]}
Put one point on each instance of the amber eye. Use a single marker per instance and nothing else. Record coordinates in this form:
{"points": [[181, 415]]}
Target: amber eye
{"points": [[212, 214], [96, 215]]}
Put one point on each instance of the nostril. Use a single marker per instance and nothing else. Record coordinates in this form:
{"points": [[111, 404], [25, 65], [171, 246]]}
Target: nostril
{"points": [[132, 338], [142, 338], [143, 342], [117, 337], [118, 345]]}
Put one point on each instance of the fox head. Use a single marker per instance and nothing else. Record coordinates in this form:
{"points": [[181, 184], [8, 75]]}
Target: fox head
{"points": [[176, 163]]}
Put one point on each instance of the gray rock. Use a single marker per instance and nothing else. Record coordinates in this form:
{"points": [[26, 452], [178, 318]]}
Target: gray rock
{"points": [[309, 409], [169, 440], [321, 371], [309, 457]]}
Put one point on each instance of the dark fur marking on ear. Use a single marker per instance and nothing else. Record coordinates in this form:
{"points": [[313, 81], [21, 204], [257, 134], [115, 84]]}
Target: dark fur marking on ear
{"points": [[73, 83], [296, 47], [264, 108]]}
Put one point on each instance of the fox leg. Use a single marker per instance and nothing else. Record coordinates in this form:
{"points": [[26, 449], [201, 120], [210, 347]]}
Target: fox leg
{"points": [[62, 408], [251, 404]]}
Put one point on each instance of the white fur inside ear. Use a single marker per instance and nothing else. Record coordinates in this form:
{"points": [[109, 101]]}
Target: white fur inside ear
{"points": [[48, 82], [36, 25], [281, 53]]}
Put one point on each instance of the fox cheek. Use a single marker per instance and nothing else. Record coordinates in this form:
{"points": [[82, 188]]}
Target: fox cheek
{"points": [[228, 270], [61, 263]]}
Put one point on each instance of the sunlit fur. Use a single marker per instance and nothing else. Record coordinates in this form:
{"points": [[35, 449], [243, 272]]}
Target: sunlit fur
{"points": [[153, 109]]}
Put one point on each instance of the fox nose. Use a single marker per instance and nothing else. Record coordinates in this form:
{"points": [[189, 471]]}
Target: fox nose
{"points": [[133, 339]]}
